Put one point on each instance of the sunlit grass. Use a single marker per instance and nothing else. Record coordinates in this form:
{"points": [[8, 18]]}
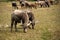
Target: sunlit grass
{"points": [[47, 27]]}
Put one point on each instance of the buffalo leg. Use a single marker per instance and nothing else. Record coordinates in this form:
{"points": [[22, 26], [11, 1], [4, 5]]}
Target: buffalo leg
{"points": [[25, 29], [15, 25], [24, 26], [41, 5], [12, 25], [33, 24], [47, 4]]}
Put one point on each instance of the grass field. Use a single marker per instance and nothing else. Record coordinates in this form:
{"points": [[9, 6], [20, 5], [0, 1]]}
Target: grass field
{"points": [[46, 28]]}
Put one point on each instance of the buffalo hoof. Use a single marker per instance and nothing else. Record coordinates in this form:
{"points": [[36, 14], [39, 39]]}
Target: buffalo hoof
{"points": [[32, 27], [25, 30]]}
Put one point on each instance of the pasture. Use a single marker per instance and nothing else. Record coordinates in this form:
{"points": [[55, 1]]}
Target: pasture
{"points": [[47, 24]]}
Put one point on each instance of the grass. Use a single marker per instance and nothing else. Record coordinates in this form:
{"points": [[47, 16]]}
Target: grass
{"points": [[46, 28]]}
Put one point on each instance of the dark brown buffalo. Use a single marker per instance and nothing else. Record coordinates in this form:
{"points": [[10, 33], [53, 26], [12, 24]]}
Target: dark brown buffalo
{"points": [[31, 5], [27, 4], [14, 5], [26, 17]]}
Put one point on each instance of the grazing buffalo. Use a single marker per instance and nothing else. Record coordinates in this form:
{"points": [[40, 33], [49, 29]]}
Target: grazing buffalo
{"points": [[30, 5], [26, 17], [42, 3], [22, 3], [47, 3], [27, 4], [14, 5]]}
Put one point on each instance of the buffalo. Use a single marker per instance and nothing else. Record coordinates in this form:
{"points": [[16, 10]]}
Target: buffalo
{"points": [[14, 5], [30, 5], [27, 4], [42, 3], [24, 17]]}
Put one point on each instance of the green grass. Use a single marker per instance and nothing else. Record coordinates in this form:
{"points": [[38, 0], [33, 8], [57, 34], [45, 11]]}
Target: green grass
{"points": [[47, 28]]}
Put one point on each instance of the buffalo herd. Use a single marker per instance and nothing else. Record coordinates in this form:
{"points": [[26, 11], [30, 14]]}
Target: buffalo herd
{"points": [[26, 17], [28, 4]]}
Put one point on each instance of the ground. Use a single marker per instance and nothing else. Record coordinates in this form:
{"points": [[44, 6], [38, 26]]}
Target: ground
{"points": [[47, 24]]}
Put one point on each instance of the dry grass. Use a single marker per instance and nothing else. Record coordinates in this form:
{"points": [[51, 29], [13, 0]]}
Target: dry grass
{"points": [[47, 28]]}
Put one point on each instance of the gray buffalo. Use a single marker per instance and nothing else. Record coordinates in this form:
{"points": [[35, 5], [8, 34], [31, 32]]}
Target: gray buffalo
{"points": [[24, 17]]}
